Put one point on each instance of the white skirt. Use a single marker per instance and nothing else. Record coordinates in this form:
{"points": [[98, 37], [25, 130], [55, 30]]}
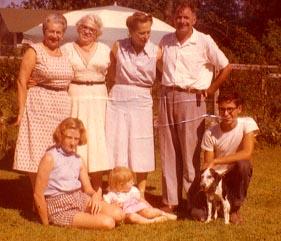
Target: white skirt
{"points": [[89, 104], [129, 128]]}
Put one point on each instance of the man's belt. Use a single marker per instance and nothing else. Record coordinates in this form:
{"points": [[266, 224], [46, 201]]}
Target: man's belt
{"points": [[186, 90]]}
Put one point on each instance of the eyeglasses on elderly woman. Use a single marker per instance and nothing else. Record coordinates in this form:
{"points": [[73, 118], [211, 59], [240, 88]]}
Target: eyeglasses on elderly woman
{"points": [[91, 30]]}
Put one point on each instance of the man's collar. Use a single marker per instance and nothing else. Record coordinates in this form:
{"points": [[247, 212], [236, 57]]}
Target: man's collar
{"points": [[191, 40], [228, 128]]}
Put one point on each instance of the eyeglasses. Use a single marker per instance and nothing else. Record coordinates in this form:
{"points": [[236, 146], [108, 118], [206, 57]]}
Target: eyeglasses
{"points": [[91, 30], [229, 109]]}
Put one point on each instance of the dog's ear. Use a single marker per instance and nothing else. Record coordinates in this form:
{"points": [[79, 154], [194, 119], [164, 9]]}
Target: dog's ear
{"points": [[215, 174], [202, 171]]}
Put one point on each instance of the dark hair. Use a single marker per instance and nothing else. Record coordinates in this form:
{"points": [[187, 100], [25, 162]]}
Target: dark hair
{"points": [[186, 4], [138, 17], [70, 123], [230, 96]]}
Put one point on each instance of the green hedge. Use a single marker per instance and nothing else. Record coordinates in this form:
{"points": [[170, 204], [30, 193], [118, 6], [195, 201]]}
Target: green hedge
{"points": [[262, 100], [8, 103]]}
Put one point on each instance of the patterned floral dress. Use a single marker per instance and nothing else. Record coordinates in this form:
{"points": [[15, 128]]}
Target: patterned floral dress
{"points": [[47, 104]]}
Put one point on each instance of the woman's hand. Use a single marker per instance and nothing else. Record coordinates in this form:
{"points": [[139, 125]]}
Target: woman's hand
{"points": [[99, 194], [95, 204], [18, 120]]}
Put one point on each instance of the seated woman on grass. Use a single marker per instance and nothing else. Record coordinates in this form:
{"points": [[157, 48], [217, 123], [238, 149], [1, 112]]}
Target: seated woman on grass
{"points": [[123, 193], [63, 192]]}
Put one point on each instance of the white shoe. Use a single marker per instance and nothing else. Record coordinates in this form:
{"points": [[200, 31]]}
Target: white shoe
{"points": [[159, 219], [170, 216]]}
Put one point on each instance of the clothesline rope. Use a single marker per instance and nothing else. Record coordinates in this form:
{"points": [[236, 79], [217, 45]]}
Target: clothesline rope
{"points": [[186, 121]]}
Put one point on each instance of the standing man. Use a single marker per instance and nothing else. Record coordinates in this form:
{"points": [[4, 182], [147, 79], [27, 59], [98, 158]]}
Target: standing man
{"points": [[189, 57]]}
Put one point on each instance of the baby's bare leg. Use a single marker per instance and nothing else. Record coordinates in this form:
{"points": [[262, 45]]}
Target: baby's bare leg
{"points": [[155, 213], [150, 212], [137, 219]]}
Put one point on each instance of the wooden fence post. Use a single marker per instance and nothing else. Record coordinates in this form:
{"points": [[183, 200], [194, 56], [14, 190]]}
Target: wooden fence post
{"points": [[216, 94]]}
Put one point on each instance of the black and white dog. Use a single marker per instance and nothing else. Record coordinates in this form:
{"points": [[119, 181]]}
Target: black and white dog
{"points": [[213, 184]]}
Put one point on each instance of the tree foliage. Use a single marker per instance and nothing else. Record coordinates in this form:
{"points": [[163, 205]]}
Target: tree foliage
{"points": [[63, 5], [271, 40]]}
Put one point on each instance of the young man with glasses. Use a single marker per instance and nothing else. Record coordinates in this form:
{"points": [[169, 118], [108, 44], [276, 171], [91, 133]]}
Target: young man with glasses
{"points": [[231, 142]]}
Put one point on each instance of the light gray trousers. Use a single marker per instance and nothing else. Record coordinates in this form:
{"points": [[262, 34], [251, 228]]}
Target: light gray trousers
{"points": [[181, 128]]}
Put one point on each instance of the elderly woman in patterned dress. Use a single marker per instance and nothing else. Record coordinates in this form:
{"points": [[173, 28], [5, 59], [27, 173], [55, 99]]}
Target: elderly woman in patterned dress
{"points": [[129, 128], [90, 61], [46, 104]]}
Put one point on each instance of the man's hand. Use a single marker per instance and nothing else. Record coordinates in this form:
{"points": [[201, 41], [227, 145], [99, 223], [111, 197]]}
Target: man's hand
{"points": [[209, 164], [204, 93]]}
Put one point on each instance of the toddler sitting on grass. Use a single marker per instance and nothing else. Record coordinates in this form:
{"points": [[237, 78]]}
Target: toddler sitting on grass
{"points": [[123, 193]]}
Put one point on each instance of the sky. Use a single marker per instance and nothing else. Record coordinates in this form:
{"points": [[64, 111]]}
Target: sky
{"points": [[5, 3]]}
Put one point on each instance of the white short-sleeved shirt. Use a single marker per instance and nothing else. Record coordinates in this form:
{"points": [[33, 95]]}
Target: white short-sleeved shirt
{"points": [[226, 143], [190, 65]]}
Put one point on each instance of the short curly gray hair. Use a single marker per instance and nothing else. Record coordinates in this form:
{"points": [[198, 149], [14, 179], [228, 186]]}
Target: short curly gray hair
{"points": [[55, 18], [96, 20]]}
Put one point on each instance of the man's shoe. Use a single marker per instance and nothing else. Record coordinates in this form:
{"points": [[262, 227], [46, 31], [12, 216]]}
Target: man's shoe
{"points": [[169, 208], [235, 218]]}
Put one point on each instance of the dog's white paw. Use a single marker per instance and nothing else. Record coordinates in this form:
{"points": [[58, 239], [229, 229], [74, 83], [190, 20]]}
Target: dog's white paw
{"points": [[208, 220]]}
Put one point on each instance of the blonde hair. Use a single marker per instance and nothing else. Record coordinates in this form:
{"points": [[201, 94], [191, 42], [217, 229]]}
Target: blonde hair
{"points": [[95, 19], [55, 18], [118, 177], [70, 123], [137, 17]]}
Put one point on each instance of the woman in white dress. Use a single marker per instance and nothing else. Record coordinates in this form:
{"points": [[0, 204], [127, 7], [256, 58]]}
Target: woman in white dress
{"points": [[90, 60], [129, 127]]}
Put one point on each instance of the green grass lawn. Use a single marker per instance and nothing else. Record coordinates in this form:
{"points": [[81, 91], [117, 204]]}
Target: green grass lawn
{"points": [[261, 211]]}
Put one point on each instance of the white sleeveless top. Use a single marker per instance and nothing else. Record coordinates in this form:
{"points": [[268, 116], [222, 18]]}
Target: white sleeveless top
{"points": [[136, 69]]}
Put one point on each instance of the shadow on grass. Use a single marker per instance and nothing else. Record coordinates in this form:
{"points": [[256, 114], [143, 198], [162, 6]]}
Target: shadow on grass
{"points": [[6, 159], [156, 201], [16, 193]]}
